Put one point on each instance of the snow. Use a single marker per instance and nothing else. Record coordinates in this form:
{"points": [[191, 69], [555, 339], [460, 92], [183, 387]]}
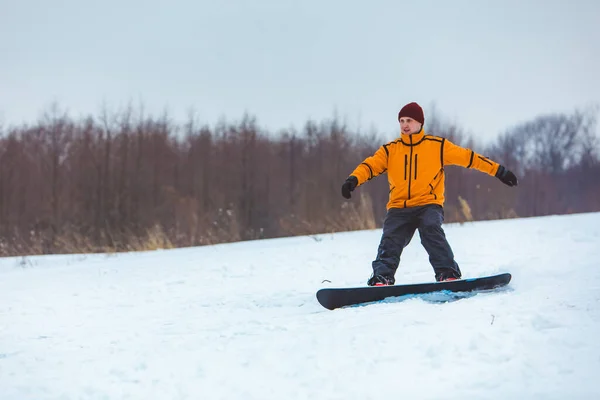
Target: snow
{"points": [[241, 321]]}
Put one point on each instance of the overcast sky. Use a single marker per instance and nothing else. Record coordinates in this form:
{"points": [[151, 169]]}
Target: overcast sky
{"points": [[486, 65]]}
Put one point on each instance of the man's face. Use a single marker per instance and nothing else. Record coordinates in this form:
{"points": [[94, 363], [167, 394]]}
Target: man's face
{"points": [[409, 126]]}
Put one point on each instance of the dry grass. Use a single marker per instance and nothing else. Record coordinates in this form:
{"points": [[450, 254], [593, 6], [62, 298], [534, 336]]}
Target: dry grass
{"points": [[356, 214], [223, 227], [465, 209], [76, 243], [155, 239]]}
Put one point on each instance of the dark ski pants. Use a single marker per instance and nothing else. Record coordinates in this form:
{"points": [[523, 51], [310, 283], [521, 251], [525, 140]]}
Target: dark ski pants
{"points": [[398, 229]]}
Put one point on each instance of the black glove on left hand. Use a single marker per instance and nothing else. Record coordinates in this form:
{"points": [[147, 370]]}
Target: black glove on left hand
{"points": [[506, 176], [349, 186]]}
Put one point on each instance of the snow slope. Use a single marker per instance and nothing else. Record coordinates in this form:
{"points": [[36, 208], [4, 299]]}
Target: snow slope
{"points": [[240, 321]]}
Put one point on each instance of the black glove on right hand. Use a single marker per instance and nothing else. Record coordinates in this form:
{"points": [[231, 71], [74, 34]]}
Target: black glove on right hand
{"points": [[349, 186], [506, 176]]}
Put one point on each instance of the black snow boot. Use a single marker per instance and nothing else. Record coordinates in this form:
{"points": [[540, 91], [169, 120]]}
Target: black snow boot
{"points": [[380, 280], [447, 275]]}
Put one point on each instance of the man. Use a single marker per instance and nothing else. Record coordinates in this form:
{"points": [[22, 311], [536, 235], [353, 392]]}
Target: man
{"points": [[415, 166]]}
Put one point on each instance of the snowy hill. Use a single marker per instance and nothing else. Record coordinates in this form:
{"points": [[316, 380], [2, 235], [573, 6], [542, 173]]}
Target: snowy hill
{"points": [[240, 321]]}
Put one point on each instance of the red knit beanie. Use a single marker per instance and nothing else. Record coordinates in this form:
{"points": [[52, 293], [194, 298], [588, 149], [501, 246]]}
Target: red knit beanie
{"points": [[412, 110]]}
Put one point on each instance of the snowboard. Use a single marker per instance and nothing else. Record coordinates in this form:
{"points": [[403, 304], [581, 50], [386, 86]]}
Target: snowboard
{"points": [[332, 298]]}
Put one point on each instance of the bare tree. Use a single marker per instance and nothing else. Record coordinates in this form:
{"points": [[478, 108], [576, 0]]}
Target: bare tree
{"points": [[127, 180]]}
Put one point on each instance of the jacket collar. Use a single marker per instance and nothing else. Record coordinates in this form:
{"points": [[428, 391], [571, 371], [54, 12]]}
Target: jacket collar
{"points": [[412, 138]]}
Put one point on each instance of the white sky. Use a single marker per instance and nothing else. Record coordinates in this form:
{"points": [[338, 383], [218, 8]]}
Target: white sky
{"points": [[486, 65]]}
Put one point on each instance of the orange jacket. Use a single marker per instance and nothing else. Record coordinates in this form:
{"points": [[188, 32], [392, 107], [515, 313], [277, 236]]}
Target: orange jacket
{"points": [[415, 167]]}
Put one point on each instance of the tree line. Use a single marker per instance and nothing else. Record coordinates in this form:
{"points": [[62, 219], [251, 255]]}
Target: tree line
{"points": [[128, 181]]}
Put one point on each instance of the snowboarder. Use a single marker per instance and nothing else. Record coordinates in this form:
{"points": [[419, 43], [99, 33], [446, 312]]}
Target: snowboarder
{"points": [[415, 167]]}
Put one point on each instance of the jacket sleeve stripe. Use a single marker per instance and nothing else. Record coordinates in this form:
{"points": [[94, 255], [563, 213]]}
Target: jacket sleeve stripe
{"points": [[370, 170], [485, 160], [471, 160]]}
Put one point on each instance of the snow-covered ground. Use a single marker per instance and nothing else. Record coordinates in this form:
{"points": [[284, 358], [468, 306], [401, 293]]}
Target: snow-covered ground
{"points": [[241, 321]]}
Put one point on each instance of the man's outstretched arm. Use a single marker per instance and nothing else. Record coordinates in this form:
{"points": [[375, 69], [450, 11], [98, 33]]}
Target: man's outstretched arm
{"points": [[457, 155], [367, 170]]}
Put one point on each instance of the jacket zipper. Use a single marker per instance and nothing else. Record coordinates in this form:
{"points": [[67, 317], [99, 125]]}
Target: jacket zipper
{"points": [[405, 165], [409, 169], [416, 167]]}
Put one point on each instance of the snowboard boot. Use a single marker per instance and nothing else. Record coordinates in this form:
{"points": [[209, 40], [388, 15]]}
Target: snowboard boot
{"points": [[380, 280], [447, 275]]}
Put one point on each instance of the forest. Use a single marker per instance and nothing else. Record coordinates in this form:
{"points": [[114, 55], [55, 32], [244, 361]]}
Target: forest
{"points": [[126, 181]]}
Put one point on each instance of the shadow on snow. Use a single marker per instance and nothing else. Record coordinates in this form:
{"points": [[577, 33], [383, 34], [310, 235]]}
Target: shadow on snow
{"points": [[440, 297]]}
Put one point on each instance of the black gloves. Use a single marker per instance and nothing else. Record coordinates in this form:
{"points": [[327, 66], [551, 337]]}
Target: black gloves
{"points": [[506, 176], [349, 186]]}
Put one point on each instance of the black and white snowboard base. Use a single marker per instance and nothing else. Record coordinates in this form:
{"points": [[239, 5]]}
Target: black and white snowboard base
{"points": [[332, 298]]}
